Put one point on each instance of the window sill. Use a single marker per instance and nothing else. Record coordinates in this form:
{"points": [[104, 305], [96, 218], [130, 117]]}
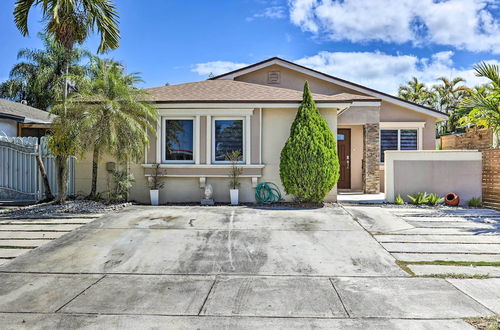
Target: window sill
{"points": [[191, 165]]}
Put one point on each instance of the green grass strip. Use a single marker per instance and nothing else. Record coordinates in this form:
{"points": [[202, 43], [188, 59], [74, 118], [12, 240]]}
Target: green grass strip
{"points": [[450, 263], [16, 247], [404, 267]]}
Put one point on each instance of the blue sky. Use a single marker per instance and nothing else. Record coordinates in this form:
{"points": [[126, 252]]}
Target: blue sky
{"points": [[376, 43]]}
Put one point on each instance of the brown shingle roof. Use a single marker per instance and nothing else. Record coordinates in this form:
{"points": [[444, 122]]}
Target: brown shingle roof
{"points": [[215, 91], [21, 112]]}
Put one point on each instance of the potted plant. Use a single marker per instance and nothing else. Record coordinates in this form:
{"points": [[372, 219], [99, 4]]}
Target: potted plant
{"points": [[155, 185], [234, 174]]}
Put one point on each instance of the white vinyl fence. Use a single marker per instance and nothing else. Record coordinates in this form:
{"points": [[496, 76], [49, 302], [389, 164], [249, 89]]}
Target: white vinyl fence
{"points": [[20, 178]]}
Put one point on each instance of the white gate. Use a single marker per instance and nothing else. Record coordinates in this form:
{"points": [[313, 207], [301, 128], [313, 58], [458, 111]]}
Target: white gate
{"points": [[20, 178]]}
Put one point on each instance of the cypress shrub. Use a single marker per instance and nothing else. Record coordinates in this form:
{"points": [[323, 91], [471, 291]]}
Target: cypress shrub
{"points": [[309, 166]]}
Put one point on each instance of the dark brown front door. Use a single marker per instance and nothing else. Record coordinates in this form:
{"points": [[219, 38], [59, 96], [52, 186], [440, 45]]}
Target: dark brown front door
{"points": [[344, 151]]}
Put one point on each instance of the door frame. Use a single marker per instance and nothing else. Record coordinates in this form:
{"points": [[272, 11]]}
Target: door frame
{"points": [[347, 133]]}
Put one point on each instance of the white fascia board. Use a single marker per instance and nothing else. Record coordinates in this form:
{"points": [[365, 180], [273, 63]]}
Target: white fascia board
{"points": [[205, 111], [241, 106], [402, 124], [340, 83], [366, 104]]}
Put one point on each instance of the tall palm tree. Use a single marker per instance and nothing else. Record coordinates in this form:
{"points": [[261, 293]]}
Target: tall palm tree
{"points": [[483, 104], [70, 22], [417, 92], [38, 79], [116, 116], [450, 93]]}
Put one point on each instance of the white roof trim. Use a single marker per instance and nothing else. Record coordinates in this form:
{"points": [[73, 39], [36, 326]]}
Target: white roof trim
{"points": [[232, 106], [338, 82], [402, 124]]}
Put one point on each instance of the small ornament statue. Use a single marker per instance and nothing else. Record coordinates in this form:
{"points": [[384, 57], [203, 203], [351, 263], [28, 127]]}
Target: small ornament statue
{"points": [[209, 192]]}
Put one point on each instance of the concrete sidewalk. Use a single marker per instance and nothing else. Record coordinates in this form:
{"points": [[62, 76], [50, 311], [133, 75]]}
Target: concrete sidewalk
{"points": [[226, 268]]}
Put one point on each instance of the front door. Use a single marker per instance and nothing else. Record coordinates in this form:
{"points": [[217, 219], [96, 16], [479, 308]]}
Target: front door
{"points": [[344, 152]]}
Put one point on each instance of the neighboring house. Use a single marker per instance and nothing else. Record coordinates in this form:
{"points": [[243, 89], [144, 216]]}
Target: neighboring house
{"points": [[252, 109], [17, 119]]}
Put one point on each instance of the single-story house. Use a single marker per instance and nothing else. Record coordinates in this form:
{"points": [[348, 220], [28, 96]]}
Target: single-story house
{"points": [[18, 119], [252, 109]]}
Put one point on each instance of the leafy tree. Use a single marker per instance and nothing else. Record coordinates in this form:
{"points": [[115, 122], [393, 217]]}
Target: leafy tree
{"points": [[309, 166], [115, 117], [416, 91], [70, 22], [483, 104], [39, 78]]}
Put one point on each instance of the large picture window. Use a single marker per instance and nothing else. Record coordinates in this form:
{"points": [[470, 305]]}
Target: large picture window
{"points": [[397, 139], [227, 137], [178, 137]]}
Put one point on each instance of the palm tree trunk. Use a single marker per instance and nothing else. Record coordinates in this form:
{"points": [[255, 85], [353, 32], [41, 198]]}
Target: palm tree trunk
{"points": [[62, 160], [62, 178], [95, 163], [45, 179]]}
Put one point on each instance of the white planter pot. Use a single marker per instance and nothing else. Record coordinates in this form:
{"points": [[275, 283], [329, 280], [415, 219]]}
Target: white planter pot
{"points": [[234, 196], [154, 195]]}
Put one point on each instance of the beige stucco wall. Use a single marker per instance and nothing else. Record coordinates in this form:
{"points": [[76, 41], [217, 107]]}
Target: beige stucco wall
{"points": [[392, 113], [276, 125], [437, 171], [293, 80]]}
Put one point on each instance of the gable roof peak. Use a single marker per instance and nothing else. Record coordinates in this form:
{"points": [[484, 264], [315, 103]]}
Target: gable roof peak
{"points": [[332, 79]]}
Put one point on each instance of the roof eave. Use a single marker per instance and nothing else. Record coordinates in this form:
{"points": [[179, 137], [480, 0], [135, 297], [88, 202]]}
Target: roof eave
{"points": [[351, 85]]}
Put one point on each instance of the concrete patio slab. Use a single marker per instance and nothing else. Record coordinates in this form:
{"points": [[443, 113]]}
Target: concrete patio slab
{"points": [[20, 321], [443, 269], [11, 253], [377, 219], [211, 252], [485, 291], [22, 242], [447, 257], [168, 295], [30, 234], [444, 212], [45, 221], [450, 231], [272, 296], [53, 216], [474, 239], [405, 297], [442, 248], [451, 224], [30, 227], [40, 292]]}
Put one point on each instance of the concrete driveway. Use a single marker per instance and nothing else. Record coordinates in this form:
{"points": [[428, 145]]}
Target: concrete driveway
{"points": [[223, 268]]}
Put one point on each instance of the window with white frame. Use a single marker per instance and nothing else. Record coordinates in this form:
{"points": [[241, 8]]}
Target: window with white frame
{"points": [[228, 135], [398, 139], [178, 138]]}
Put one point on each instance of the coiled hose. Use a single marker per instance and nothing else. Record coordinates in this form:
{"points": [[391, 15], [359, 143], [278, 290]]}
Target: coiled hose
{"points": [[267, 193]]}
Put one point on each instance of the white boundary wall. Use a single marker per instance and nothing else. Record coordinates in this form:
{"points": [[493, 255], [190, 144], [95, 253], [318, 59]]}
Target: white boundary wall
{"points": [[433, 171]]}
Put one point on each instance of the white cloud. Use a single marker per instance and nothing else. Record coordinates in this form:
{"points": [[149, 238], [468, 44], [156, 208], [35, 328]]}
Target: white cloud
{"points": [[273, 12], [464, 24], [386, 72], [216, 67]]}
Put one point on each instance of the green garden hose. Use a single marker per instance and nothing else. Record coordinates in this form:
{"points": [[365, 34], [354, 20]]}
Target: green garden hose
{"points": [[267, 192]]}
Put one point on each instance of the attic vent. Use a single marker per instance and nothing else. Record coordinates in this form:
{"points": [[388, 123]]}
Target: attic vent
{"points": [[274, 77]]}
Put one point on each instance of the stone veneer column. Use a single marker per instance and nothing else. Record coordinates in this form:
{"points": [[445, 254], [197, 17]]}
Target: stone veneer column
{"points": [[371, 159]]}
